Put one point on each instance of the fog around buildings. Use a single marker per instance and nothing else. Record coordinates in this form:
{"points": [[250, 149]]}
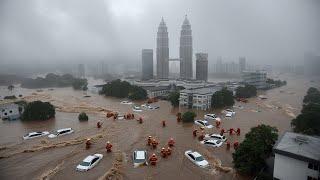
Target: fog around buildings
{"points": [[114, 31]]}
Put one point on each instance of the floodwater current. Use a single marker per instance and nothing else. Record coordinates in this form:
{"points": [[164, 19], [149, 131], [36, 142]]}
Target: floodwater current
{"points": [[42, 158]]}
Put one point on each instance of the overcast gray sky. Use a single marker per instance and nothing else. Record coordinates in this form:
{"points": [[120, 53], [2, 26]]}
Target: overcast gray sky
{"points": [[265, 31]]}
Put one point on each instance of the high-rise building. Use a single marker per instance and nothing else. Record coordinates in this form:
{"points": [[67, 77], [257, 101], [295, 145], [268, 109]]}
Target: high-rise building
{"points": [[147, 64], [186, 50], [202, 66], [81, 71], [162, 51], [242, 64]]}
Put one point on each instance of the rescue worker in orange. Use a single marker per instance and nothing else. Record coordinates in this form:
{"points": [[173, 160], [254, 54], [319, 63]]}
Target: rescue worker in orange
{"points": [[228, 145], [140, 120], [235, 145], [179, 117], [153, 159], [168, 151], [108, 146], [149, 141], [194, 132], [231, 131], [99, 124], [222, 132], [163, 123], [154, 143], [88, 144], [163, 152], [238, 131], [218, 124], [171, 142], [201, 137]]}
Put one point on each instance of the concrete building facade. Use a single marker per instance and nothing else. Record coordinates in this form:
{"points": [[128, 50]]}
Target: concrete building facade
{"points": [[255, 78], [186, 50], [242, 64], [162, 51], [202, 66], [147, 64], [297, 157], [10, 111]]}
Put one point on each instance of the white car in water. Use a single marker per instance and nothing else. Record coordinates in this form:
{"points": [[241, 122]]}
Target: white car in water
{"points": [[61, 132], [89, 162], [139, 158], [126, 102], [203, 123], [212, 142], [136, 109], [229, 111], [35, 134], [212, 117], [215, 136], [196, 158]]}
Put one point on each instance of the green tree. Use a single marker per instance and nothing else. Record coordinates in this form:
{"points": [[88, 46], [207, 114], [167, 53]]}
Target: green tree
{"points": [[174, 98], [10, 88], [249, 158], [246, 92], [188, 116], [308, 121], [123, 89], [222, 98], [80, 84], [38, 110], [83, 117]]}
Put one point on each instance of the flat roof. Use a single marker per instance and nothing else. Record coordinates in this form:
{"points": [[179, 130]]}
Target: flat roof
{"points": [[202, 90], [155, 88], [299, 146]]}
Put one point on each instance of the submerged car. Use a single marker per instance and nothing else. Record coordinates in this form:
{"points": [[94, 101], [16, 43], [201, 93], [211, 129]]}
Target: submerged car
{"points": [[126, 102], [212, 142], [196, 158], [230, 111], [35, 134], [215, 136], [139, 158], [61, 132], [89, 162], [211, 116], [203, 123], [136, 109]]}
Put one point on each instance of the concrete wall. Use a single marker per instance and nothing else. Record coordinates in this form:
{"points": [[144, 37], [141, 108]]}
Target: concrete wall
{"points": [[286, 168]]}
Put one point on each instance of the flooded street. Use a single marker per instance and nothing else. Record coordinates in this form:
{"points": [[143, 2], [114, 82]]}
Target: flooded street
{"points": [[57, 158]]}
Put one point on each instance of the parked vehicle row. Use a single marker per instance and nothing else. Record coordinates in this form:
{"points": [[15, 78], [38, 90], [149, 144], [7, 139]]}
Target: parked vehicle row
{"points": [[59, 132], [203, 123]]}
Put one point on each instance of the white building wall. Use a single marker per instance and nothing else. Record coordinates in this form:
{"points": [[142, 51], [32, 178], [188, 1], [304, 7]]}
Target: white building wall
{"points": [[286, 168]]}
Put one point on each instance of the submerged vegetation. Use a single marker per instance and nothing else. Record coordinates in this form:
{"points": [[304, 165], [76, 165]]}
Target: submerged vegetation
{"points": [[246, 92], [249, 158], [38, 110], [174, 98], [222, 98], [123, 89], [188, 116], [83, 117], [53, 80], [308, 121]]}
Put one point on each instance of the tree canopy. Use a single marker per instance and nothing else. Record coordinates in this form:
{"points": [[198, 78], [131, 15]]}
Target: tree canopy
{"points": [[308, 121], [174, 98], [83, 117], [54, 80], [38, 110], [222, 98], [123, 89], [277, 83], [188, 116], [246, 92], [249, 157]]}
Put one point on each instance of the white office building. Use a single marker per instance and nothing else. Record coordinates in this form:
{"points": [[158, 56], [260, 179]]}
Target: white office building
{"points": [[297, 157], [197, 98], [255, 78]]}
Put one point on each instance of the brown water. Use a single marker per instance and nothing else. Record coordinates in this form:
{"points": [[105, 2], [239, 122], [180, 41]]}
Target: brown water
{"points": [[127, 135]]}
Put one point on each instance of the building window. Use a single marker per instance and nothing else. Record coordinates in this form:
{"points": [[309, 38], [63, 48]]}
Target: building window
{"points": [[313, 166]]}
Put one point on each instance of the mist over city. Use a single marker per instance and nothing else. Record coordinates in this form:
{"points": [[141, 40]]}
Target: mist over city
{"points": [[161, 89]]}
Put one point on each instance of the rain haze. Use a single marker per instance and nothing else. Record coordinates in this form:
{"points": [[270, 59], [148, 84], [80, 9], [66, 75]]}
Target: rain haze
{"points": [[266, 32]]}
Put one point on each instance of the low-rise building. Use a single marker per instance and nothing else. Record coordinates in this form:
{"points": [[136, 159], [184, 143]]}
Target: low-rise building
{"points": [[157, 91], [297, 157], [255, 78], [197, 98]]}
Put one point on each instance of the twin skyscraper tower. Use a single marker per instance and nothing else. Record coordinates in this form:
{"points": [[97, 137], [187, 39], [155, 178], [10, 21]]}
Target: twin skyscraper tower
{"points": [[185, 51]]}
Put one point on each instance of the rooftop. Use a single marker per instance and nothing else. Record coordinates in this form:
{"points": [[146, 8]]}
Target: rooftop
{"points": [[155, 88], [299, 146], [202, 90]]}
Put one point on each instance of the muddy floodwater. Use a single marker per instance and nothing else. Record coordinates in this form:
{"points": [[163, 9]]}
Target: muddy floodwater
{"points": [[57, 158]]}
